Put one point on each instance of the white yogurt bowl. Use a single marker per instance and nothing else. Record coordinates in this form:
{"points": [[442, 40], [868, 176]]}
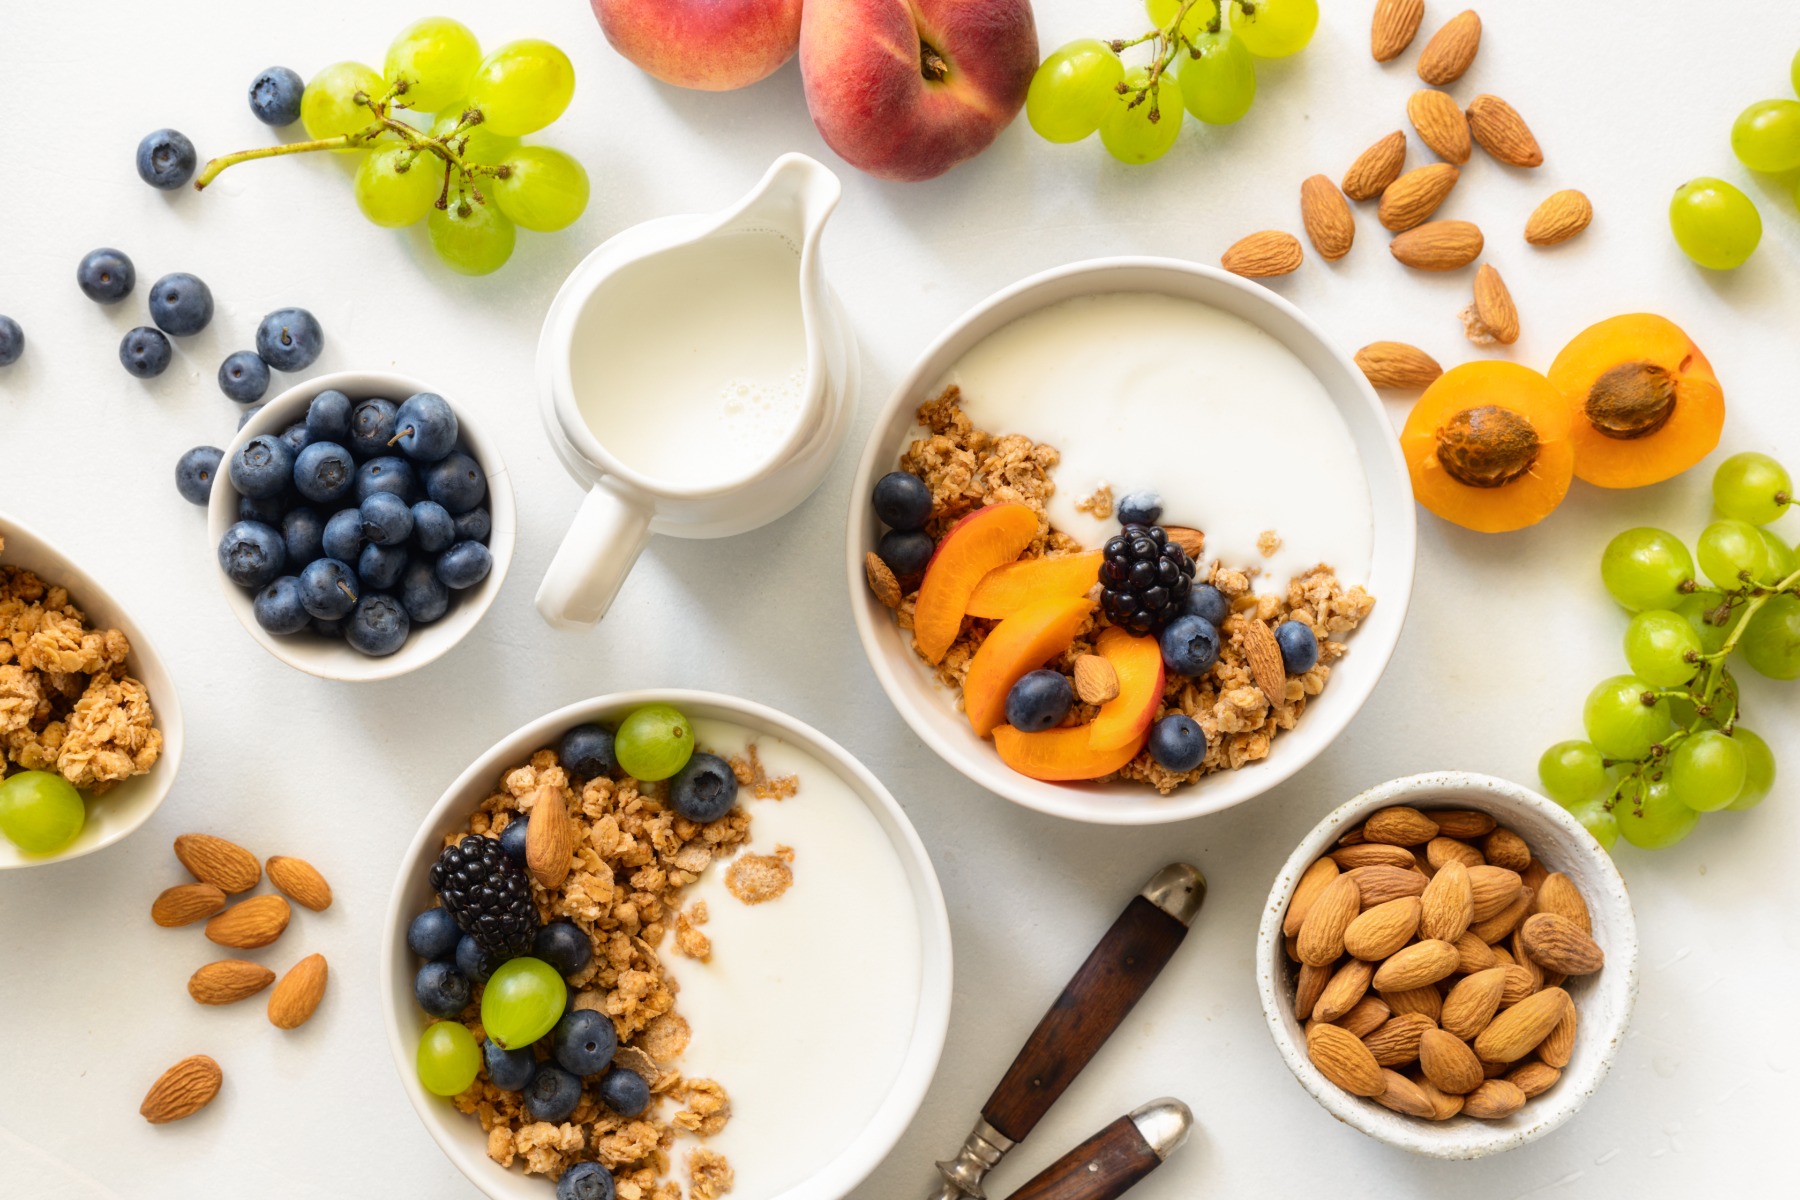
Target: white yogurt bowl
{"points": [[1603, 1000], [891, 1102], [930, 708], [332, 658], [124, 807]]}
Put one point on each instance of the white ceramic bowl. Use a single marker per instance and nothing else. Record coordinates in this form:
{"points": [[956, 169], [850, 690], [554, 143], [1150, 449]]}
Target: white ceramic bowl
{"points": [[929, 708], [1603, 1000], [128, 805], [461, 1137], [331, 658]]}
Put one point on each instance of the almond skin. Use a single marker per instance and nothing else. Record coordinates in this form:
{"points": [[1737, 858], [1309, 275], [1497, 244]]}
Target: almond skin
{"points": [[1448, 904], [1451, 50], [251, 923], [1191, 541], [1411, 199], [1400, 826], [1502, 132], [1503, 847], [1449, 1063], [1505, 921], [1371, 854], [1260, 255], [1326, 216], [1556, 1048], [1517, 1031], [1309, 987], [882, 581], [1472, 1002], [1491, 318], [297, 996], [1476, 954], [1393, 28], [1560, 217], [1312, 882], [1263, 653], [1492, 1100], [1347, 985], [1397, 1041], [1441, 125], [1438, 246], [1441, 850], [1521, 981], [1418, 965], [1096, 679], [549, 843], [186, 903], [1533, 1079], [1404, 1096], [1376, 167], [1494, 888], [1322, 933], [1342, 1058], [226, 865], [1559, 944], [182, 1090], [228, 981], [1380, 932], [1397, 365], [1365, 1016], [301, 882], [1378, 885], [1425, 1002], [1559, 895], [1444, 1105], [1462, 822]]}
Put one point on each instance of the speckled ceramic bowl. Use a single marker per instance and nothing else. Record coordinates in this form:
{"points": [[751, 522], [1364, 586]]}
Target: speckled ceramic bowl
{"points": [[1603, 1000]]}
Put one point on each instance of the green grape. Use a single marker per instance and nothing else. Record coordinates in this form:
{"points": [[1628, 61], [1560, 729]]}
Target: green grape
{"points": [[654, 742], [1695, 610], [1659, 821], [1781, 556], [1766, 136], [1707, 770], [1128, 133], [1657, 643], [1072, 90], [523, 86], [1275, 28], [1574, 773], [543, 189], [1714, 223], [328, 106], [1598, 820], [471, 238], [1645, 568], [1759, 770], [1794, 72], [523, 1000], [1219, 85], [1198, 20], [40, 813], [478, 143], [1771, 640], [1619, 722], [1730, 551], [448, 1058], [436, 57], [397, 185], [1752, 487]]}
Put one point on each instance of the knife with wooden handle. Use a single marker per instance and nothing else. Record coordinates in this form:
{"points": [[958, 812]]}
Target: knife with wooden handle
{"points": [[1113, 979], [1116, 1159]]}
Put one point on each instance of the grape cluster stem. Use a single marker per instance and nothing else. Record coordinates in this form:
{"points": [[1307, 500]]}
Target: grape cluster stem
{"points": [[1167, 44]]}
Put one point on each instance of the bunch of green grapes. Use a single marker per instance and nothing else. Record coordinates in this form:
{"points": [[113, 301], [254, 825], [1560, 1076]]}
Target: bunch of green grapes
{"points": [[1202, 61], [438, 130], [1715, 223], [1663, 743]]}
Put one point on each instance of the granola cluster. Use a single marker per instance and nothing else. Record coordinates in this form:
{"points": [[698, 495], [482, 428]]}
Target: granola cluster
{"points": [[66, 703]]}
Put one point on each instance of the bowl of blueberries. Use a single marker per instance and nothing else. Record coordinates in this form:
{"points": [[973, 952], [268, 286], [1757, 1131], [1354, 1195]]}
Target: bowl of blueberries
{"points": [[363, 525]]}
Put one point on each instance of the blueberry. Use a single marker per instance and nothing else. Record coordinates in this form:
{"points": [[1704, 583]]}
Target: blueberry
{"points": [[905, 551], [1039, 701], [328, 417], [464, 565], [275, 96], [372, 424], [1139, 508], [586, 1181], [387, 474], [512, 838], [278, 608], [387, 519], [902, 500], [552, 1094], [262, 466], [584, 1042], [244, 377], [586, 752], [344, 538], [624, 1091], [508, 1070], [704, 790], [425, 428], [422, 594], [329, 629], [296, 437], [380, 567], [1299, 647], [329, 588], [166, 160], [433, 934], [144, 351], [456, 482], [1208, 603], [289, 339], [562, 944], [106, 275], [265, 510], [1177, 743], [1190, 645], [473, 961], [244, 417], [303, 532], [12, 341], [434, 530], [194, 473], [251, 554], [473, 526], [324, 473], [441, 989], [378, 626], [181, 305]]}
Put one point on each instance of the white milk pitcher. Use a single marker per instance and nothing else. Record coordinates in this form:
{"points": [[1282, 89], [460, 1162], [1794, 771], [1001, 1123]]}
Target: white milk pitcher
{"points": [[696, 374]]}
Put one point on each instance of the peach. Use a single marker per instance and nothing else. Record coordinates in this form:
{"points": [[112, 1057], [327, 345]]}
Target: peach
{"points": [[906, 89], [712, 45], [1004, 590], [1061, 755], [970, 549], [1123, 720], [1022, 642]]}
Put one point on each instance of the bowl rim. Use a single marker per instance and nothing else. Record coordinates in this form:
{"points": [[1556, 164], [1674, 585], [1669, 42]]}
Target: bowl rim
{"points": [[1087, 802], [156, 783], [1457, 1138], [221, 513], [931, 1021]]}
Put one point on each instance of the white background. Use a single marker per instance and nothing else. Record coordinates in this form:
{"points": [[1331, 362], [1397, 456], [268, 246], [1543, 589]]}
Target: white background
{"points": [[1505, 636]]}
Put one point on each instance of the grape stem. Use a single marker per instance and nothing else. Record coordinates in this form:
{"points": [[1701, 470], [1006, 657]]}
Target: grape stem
{"points": [[1168, 42]]}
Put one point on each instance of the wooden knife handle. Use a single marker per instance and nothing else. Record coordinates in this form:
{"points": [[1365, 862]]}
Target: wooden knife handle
{"points": [[1104, 1167]]}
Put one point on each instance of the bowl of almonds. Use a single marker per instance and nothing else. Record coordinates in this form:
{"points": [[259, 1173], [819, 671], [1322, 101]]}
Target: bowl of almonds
{"points": [[1448, 963]]}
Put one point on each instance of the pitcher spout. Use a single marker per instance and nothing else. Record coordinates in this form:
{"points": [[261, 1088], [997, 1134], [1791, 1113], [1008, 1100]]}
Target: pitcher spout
{"points": [[794, 198]]}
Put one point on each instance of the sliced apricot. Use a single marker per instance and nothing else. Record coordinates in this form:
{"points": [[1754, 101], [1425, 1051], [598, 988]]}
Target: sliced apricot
{"points": [[1138, 662], [1022, 642], [1644, 402], [1488, 446], [1006, 589], [969, 549], [1061, 755]]}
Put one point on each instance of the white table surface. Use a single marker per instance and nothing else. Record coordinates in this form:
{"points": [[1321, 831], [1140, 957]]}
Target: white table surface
{"points": [[1505, 635]]}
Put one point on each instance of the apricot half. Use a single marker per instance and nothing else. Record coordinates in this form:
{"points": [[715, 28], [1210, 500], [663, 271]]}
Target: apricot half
{"points": [[971, 548], [1022, 642], [1006, 589], [1138, 661], [1644, 402], [1488, 447], [1061, 755]]}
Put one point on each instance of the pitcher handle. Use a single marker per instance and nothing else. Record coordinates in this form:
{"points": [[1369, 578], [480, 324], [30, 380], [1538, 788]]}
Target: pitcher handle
{"points": [[603, 542]]}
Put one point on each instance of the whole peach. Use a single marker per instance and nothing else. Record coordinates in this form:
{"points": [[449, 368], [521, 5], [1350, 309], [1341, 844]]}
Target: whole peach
{"points": [[711, 45]]}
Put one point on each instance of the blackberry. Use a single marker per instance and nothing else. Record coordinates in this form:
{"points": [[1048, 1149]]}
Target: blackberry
{"points": [[488, 894], [1146, 578]]}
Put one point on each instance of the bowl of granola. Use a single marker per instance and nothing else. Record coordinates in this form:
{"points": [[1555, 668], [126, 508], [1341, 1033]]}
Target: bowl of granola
{"points": [[653, 935], [85, 701], [1133, 542]]}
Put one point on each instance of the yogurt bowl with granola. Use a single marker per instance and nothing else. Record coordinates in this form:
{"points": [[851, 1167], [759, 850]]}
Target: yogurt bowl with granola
{"points": [[1132, 543]]}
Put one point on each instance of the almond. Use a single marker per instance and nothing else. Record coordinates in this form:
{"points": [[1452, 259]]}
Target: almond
{"points": [[1501, 957], [1397, 365], [1425, 1002], [301, 881], [881, 580], [1441, 850], [1444, 1105], [298, 994], [1476, 955], [186, 903], [1472, 1002], [1343, 1058], [1559, 944], [1322, 932], [1438, 246], [1525, 960], [1263, 654], [1290, 946], [1521, 983], [1346, 986], [549, 841], [250, 923], [1417, 966], [1326, 215], [1312, 882], [1191, 541], [1352, 837], [1505, 921], [182, 1090], [1270, 252], [1309, 987], [1448, 905], [1376, 167], [226, 865], [1365, 1016], [1400, 826], [1533, 877], [1448, 1062], [1462, 822], [1556, 1048], [1440, 124], [1451, 49], [1096, 679], [1503, 133], [1533, 1079], [1493, 888], [1503, 847], [1404, 1096], [1395, 25], [1559, 218], [1517, 1031], [1492, 1100], [1372, 854], [1493, 317], [1381, 931], [1397, 1041], [1413, 197], [228, 981], [1378, 885], [1559, 895]]}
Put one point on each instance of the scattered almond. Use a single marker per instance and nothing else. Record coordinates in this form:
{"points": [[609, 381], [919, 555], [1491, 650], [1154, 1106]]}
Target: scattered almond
{"points": [[1381, 931], [1270, 252], [1397, 365], [1312, 881], [298, 994], [1376, 167], [1438, 245], [1322, 933], [1560, 217], [1191, 541], [1263, 654], [881, 580], [1502, 132], [1326, 215], [301, 881], [182, 1090], [251, 923], [1472, 1002], [1440, 124], [1400, 826], [1397, 1041], [226, 865], [1517, 1031], [1404, 1096], [1411, 199], [1451, 50], [228, 981], [1492, 317], [186, 903], [1395, 25], [1448, 1062], [1492, 1100], [549, 839], [1096, 679], [1559, 944], [1345, 1060]]}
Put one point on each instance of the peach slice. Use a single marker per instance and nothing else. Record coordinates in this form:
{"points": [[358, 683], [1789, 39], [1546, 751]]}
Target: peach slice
{"points": [[971, 548], [1123, 720], [1061, 755], [1004, 590], [1023, 642]]}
